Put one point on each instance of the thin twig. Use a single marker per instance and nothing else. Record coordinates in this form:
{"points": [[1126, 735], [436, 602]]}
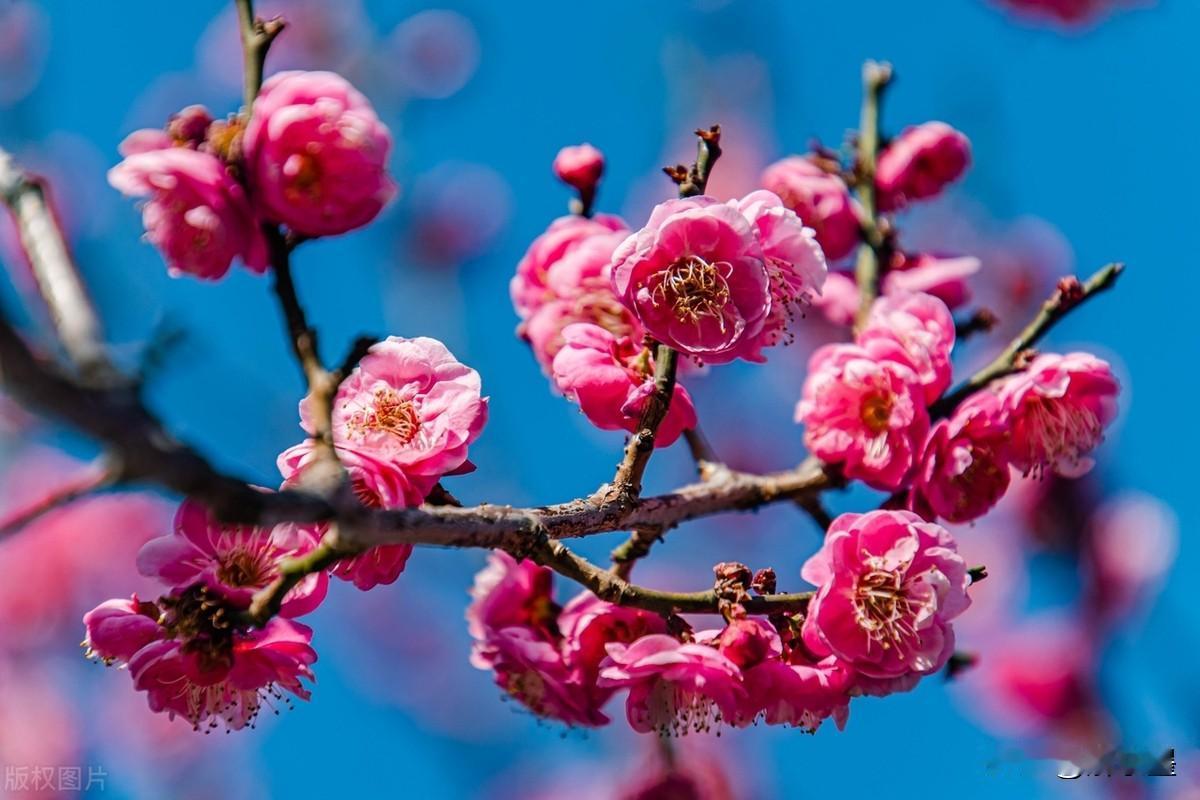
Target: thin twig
{"points": [[1069, 294], [873, 255], [627, 483], [257, 35], [614, 589]]}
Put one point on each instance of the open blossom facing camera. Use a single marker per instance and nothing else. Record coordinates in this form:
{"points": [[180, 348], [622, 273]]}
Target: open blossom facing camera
{"points": [[889, 584], [409, 407], [612, 378], [820, 199], [234, 561], [964, 470], [920, 163], [865, 413], [316, 154], [196, 214], [1058, 409], [696, 278]]}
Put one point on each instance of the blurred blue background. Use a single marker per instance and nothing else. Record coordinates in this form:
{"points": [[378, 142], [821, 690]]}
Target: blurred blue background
{"points": [[1091, 131]]}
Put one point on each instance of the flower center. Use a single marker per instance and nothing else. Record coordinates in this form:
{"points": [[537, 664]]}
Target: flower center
{"points": [[694, 289], [202, 620], [243, 568], [876, 411], [883, 609], [389, 413]]}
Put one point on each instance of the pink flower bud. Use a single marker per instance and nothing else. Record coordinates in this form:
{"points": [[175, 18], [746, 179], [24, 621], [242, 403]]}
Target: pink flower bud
{"points": [[579, 166], [821, 200], [316, 154], [865, 413], [197, 214], [920, 163]]}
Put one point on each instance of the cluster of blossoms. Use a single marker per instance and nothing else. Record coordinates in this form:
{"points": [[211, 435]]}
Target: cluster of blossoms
{"points": [[311, 155], [888, 585], [864, 406], [917, 165], [403, 418], [605, 309]]}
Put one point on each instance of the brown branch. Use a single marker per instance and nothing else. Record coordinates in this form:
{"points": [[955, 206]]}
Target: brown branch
{"points": [[636, 547], [76, 324], [257, 35], [1069, 295], [614, 589], [874, 254], [627, 483], [707, 461]]}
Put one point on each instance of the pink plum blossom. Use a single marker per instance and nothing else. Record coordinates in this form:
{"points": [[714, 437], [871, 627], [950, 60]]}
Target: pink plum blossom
{"points": [[197, 215], [866, 414], [404, 417], [820, 199], [514, 622], [964, 470], [799, 693], [611, 379], [316, 154], [257, 668], [531, 670], [588, 624], [674, 687], [235, 561], [920, 163], [915, 330], [1057, 409], [116, 629], [531, 286], [508, 593], [888, 585], [578, 288], [579, 166], [795, 265], [377, 485], [696, 277]]}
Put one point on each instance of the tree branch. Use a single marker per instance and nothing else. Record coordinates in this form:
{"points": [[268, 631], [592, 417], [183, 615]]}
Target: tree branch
{"points": [[615, 589], [257, 35], [1069, 295], [75, 321], [873, 254], [627, 483]]}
